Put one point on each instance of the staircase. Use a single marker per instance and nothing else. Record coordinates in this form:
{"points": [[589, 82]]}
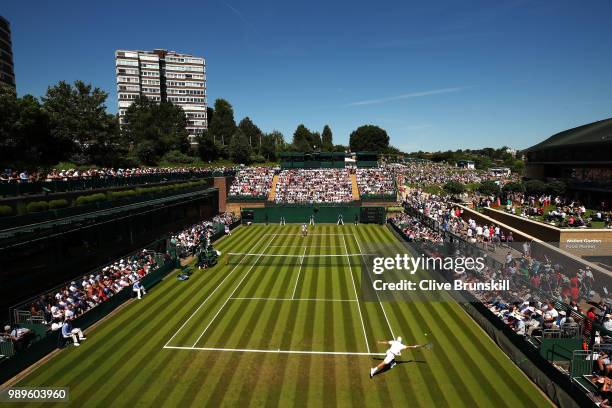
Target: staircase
{"points": [[355, 188], [272, 194]]}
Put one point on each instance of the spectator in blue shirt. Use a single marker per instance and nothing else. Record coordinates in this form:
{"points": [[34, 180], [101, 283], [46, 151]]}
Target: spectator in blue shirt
{"points": [[69, 332]]}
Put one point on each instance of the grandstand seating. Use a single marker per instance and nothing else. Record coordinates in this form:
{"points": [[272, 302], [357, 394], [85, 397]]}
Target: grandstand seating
{"points": [[252, 183], [314, 186]]}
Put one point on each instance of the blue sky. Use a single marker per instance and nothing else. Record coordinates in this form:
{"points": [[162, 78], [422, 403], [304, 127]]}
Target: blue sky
{"points": [[442, 75]]}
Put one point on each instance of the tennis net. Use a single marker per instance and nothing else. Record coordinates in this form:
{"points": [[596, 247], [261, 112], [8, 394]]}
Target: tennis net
{"points": [[305, 261]]}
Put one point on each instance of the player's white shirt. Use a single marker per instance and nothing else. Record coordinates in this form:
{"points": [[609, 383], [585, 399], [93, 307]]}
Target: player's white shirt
{"points": [[396, 347]]}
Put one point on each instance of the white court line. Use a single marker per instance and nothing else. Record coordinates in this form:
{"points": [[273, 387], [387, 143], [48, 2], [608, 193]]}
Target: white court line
{"points": [[208, 297], [357, 297], [333, 353], [299, 272], [295, 255], [309, 234], [378, 297], [293, 299], [232, 294], [305, 246]]}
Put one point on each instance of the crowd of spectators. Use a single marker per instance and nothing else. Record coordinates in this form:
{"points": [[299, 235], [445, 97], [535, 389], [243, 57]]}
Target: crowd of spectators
{"points": [[252, 182], [543, 296], [556, 210], [376, 181], [314, 186], [81, 295], [14, 176], [426, 172], [450, 218], [191, 239]]}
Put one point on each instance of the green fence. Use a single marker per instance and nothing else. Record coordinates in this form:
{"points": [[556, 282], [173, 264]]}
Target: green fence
{"points": [[245, 199], [302, 213], [60, 186], [378, 197]]}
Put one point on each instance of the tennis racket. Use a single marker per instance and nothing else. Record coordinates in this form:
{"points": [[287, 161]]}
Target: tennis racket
{"points": [[426, 346]]}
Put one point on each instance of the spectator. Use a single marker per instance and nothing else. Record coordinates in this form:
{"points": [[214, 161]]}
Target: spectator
{"points": [[68, 332], [139, 289]]}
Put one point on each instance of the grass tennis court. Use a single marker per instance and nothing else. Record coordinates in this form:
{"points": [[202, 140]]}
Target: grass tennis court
{"points": [[267, 330]]}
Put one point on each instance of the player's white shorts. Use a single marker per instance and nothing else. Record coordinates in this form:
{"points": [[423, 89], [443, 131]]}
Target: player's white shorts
{"points": [[389, 357]]}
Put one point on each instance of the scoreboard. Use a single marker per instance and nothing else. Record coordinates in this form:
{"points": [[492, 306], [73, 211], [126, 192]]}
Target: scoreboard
{"points": [[373, 215]]}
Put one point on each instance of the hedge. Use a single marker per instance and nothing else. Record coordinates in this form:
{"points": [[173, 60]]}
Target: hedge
{"points": [[55, 204], [90, 199], [122, 194], [37, 206], [5, 210]]}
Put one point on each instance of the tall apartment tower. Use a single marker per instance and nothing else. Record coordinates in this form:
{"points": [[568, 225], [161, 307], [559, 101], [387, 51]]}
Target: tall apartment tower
{"points": [[7, 72], [163, 75]]}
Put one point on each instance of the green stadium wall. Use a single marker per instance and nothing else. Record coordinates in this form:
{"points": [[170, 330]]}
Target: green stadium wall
{"points": [[301, 214]]}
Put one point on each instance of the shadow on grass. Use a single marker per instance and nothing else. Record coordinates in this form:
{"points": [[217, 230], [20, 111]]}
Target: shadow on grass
{"points": [[398, 362]]}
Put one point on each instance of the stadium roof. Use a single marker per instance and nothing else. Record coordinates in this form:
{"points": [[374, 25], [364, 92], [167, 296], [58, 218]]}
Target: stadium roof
{"points": [[596, 132]]}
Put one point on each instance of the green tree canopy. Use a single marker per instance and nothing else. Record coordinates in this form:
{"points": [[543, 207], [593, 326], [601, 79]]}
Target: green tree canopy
{"points": [[369, 138], [556, 187], [268, 146], [302, 139], [535, 187], [77, 115], [239, 148], [488, 187], [454, 187], [222, 126], [515, 187], [327, 142], [207, 148], [252, 132], [160, 125], [25, 138]]}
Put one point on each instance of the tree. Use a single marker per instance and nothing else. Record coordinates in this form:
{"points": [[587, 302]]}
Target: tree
{"points": [[108, 148], [369, 138], [454, 187], [556, 188], [315, 141], [222, 126], [515, 187], [239, 148], [268, 146], [207, 148], [302, 139], [534, 187], [252, 132], [517, 166], [210, 113], [77, 115], [482, 162], [327, 143], [160, 125], [489, 188]]}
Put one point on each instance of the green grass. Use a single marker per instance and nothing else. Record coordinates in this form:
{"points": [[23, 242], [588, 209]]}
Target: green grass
{"points": [[124, 363]]}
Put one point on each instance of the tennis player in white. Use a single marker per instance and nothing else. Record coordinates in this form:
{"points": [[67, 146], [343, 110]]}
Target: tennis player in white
{"points": [[394, 350]]}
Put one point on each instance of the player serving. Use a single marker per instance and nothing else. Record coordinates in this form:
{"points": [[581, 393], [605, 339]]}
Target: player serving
{"points": [[395, 349]]}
